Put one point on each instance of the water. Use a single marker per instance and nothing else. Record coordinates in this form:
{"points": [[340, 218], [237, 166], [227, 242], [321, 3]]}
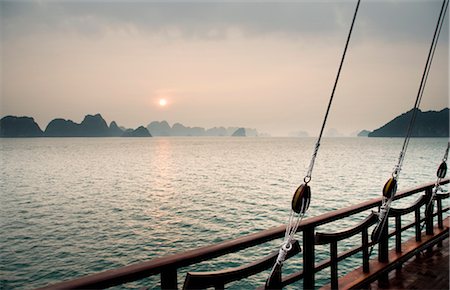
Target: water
{"points": [[75, 206]]}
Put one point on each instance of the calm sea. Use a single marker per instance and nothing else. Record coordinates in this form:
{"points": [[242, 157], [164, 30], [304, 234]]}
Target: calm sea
{"points": [[75, 206]]}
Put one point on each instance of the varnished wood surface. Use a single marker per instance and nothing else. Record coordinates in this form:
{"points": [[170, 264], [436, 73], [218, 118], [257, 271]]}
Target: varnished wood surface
{"points": [[428, 271], [357, 278]]}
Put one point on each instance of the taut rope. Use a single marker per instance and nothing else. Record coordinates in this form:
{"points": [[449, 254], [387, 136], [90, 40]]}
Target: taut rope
{"points": [[302, 196], [390, 188]]}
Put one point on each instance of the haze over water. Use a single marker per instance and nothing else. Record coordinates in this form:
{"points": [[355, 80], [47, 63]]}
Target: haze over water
{"points": [[70, 207]]}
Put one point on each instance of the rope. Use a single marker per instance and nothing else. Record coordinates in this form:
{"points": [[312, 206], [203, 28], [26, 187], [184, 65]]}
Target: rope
{"points": [[316, 148], [423, 82], [440, 174], [390, 187], [302, 195]]}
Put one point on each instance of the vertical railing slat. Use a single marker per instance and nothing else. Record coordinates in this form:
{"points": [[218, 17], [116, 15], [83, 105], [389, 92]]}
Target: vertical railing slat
{"points": [[439, 209], [169, 278], [417, 226], [398, 234], [383, 253], [429, 213], [334, 265], [365, 245], [308, 258]]}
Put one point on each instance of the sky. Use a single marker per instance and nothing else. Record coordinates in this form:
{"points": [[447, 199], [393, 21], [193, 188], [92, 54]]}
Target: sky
{"points": [[259, 64]]}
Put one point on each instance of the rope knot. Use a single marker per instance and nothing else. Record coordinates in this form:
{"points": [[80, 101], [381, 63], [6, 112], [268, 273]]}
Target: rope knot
{"points": [[282, 253]]}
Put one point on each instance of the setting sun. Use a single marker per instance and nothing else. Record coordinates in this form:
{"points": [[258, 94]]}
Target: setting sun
{"points": [[162, 102]]}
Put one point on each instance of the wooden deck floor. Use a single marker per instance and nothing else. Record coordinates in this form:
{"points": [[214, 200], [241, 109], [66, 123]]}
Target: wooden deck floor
{"points": [[429, 271]]}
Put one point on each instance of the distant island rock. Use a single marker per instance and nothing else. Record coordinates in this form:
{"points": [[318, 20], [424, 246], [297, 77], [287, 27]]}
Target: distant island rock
{"points": [[91, 126], [427, 124], [62, 128], [96, 126], [159, 128], [239, 133], [300, 134], [141, 131], [364, 133], [163, 128], [12, 126], [115, 130], [333, 132]]}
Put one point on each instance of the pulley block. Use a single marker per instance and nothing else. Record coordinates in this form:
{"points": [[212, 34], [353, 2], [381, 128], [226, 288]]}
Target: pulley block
{"points": [[442, 170], [390, 188], [301, 199]]}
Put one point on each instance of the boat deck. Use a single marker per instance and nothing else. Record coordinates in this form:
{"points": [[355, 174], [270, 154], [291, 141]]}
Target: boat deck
{"points": [[428, 271]]}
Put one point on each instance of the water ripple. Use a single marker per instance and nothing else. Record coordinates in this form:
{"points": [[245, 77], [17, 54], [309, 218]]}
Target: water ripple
{"points": [[75, 206]]}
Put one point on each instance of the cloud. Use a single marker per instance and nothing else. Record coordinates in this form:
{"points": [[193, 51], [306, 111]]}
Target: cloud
{"points": [[264, 65], [213, 20]]}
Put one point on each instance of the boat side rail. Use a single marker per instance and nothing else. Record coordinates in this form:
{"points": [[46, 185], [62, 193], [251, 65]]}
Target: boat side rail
{"points": [[333, 238], [383, 245], [167, 267]]}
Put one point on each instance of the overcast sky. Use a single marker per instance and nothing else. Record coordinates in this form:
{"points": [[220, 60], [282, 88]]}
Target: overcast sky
{"points": [[265, 65]]}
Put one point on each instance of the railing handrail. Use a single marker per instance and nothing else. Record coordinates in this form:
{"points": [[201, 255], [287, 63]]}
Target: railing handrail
{"points": [[158, 265]]}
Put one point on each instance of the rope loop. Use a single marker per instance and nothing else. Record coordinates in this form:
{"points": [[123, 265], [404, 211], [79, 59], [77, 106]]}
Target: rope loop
{"points": [[395, 174], [307, 179], [282, 253]]}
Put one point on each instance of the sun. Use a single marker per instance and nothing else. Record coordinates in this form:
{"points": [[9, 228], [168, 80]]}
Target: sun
{"points": [[162, 102]]}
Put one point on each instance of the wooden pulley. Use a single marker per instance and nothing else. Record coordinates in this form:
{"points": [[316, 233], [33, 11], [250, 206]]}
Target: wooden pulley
{"points": [[301, 199], [390, 188], [376, 233], [442, 170]]}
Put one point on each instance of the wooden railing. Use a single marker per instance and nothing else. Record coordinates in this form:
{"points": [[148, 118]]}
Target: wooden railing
{"points": [[167, 267]]}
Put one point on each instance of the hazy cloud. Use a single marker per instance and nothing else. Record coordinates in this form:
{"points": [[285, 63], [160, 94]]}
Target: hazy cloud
{"points": [[389, 20], [267, 65]]}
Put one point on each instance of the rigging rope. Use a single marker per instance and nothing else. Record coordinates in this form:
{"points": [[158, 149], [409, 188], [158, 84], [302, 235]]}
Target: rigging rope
{"points": [[390, 188], [440, 174], [302, 196]]}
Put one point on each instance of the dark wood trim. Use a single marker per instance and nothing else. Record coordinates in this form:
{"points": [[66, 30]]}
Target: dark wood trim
{"points": [[357, 279], [157, 266], [326, 238], [202, 280]]}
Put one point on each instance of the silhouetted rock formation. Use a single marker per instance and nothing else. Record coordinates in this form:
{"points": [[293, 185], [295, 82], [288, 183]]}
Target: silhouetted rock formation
{"points": [[62, 128], [12, 126], [427, 124], [333, 133], [180, 130], [163, 129], [94, 126], [217, 131], [299, 134], [159, 128], [91, 126], [114, 130], [139, 132], [364, 133], [239, 133]]}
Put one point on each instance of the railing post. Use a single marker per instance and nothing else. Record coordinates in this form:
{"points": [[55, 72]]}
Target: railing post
{"points": [[383, 244], [334, 265], [308, 258], [383, 252], [440, 220], [418, 228], [219, 286], [169, 279], [365, 250], [398, 234], [429, 212], [439, 209]]}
